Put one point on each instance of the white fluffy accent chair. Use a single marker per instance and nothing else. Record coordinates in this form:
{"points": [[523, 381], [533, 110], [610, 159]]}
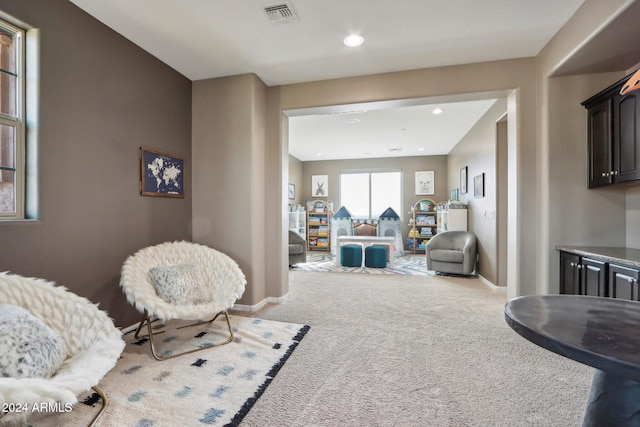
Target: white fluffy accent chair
{"points": [[93, 344], [222, 282]]}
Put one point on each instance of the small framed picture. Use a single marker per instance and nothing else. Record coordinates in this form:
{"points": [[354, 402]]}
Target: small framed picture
{"points": [[161, 174], [478, 185], [319, 185], [463, 180], [292, 191], [425, 183]]}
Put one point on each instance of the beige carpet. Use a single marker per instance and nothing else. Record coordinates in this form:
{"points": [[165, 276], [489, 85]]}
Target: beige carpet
{"points": [[394, 350]]}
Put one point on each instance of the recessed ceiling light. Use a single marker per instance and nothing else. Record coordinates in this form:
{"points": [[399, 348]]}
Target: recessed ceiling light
{"points": [[352, 121], [318, 154], [421, 149], [354, 40], [437, 111]]}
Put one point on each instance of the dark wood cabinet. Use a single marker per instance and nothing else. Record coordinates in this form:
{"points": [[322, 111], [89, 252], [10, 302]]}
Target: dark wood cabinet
{"points": [[599, 144], [626, 138], [623, 282], [593, 278], [569, 273], [599, 276], [613, 136]]}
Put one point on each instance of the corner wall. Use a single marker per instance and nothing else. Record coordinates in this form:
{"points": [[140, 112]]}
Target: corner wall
{"points": [[229, 189], [478, 151]]}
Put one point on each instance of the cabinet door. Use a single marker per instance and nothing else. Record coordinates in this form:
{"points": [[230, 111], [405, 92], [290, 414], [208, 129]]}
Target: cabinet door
{"points": [[626, 137], [599, 144], [569, 273], [623, 282], [593, 278]]}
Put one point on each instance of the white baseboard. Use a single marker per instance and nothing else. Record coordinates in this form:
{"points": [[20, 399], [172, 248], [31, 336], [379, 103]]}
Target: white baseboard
{"points": [[491, 285], [258, 306]]}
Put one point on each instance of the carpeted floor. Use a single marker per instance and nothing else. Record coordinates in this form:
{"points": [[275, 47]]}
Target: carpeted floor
{"points": [[216, 387], [325, 263], [396, 350]]}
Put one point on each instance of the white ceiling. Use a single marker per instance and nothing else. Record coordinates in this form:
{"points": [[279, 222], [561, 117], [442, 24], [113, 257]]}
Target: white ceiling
{"points": [[395, 132], [213, 38]]}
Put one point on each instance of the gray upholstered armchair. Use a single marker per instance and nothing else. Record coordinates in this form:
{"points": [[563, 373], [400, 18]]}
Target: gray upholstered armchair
{"points": [[297, 248], [452, 252]]}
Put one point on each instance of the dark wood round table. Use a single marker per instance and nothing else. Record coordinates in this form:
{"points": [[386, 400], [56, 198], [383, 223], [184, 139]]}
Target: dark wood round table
{"points": [[600, 332]]}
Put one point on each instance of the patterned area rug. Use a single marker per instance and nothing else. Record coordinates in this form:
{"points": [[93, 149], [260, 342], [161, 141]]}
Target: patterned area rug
{"points": [[213, 387], [408, 264]]}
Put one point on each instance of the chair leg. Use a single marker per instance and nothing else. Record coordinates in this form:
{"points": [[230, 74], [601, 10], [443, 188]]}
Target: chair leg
{"points": [[105, 403], [150, 334]]}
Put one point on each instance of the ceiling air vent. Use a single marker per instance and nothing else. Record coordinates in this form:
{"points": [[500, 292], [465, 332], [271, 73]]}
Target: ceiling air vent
{"points": [[280, 13]]}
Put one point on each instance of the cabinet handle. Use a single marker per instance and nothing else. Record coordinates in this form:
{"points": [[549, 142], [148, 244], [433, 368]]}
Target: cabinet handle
{"points": [[604, 174], [617, 173], [632, 281], [573, 264]]}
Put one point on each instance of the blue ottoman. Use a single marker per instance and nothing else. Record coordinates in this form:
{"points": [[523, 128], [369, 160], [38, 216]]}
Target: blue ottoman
{"points": [[375, 256], [351, 255]]}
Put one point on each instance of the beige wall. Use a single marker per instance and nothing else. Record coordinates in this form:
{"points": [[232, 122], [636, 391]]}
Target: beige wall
{"points": [[229, 186], [478, 151], [295, 178], [101, 98], [408, 165]]}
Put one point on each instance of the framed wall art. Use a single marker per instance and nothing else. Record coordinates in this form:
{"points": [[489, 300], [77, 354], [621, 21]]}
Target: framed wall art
{"points": [[463, 180], [478, 185], [292, 191], [161, 174], [425, 184], [319, 185]]}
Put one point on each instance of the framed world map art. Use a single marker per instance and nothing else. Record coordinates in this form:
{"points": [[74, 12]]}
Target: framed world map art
{"points": [[162, 174]]}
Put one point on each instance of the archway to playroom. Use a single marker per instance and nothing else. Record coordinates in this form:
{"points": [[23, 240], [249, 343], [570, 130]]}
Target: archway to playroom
{"points": [[496, 208]]}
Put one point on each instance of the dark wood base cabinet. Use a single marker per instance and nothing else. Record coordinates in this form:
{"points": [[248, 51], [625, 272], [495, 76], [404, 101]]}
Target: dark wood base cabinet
{"points": [[581, 275]]}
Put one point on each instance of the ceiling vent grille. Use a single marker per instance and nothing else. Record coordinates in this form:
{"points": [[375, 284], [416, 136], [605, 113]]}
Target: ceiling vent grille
{"points": [[280, 13]]}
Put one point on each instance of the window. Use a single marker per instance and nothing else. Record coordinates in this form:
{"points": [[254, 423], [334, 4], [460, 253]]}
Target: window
{"points": [[11, 122], [367, 194]]}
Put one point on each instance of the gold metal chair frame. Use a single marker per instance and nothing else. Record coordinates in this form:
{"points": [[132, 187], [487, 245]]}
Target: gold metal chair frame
{"points": [[105, 403], [150, 334]]}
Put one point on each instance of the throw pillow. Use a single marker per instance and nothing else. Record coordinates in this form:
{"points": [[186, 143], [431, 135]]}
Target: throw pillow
{"points": [[180, 284], [28, 347]]}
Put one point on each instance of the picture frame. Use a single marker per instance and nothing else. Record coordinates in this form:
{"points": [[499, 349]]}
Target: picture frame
{"points": [[478, 185], [425, 183], [161, 173], [320, 185], [463, 180], [454, 194], [292, 191]]}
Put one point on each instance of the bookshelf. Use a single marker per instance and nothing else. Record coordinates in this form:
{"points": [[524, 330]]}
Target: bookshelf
{"points": [[298, 222], [319, 227], [422, 224]]}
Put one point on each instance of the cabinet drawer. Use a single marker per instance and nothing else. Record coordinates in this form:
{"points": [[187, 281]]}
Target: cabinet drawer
{"points": [[623, 282]]}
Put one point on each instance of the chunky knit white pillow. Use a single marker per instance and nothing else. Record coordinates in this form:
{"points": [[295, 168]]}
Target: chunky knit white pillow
{"points": [[180, 284], [28, 347]]}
